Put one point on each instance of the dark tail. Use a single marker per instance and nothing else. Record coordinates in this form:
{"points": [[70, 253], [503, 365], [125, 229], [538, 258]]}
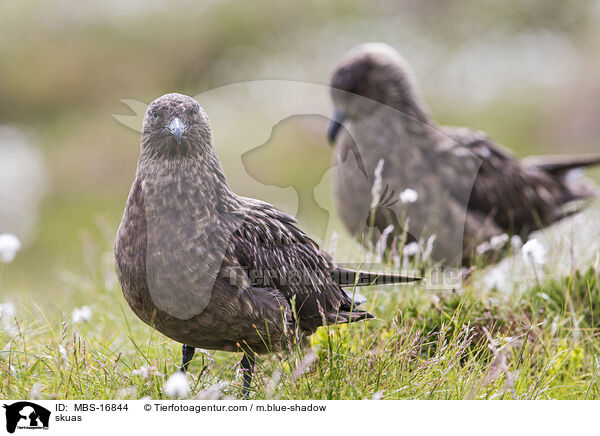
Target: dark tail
{"points": [[560, 165], [577, 187], [348, 277]]}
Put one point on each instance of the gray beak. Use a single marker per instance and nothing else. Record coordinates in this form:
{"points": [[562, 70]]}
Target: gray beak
{"points": [[177, 128], [334, 126]]}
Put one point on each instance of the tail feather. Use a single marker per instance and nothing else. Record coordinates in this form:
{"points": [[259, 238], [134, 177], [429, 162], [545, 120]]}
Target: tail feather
{"points": [[560, 165], [569, 170], [348, 277]]}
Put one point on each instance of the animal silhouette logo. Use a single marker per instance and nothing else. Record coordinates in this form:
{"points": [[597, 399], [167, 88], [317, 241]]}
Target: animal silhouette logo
{"points": [[26, 415]]}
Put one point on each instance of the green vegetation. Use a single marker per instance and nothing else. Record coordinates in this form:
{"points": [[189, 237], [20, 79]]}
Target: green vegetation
{"points": [[458, 344]]}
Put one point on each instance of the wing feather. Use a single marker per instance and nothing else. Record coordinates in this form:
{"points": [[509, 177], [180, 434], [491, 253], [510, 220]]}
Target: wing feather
{"points": [[273, 249], [519, 198]]}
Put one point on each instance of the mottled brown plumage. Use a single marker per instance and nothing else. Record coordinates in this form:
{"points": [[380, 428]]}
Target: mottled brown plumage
{"points": [[208, 268], [470, 189]]}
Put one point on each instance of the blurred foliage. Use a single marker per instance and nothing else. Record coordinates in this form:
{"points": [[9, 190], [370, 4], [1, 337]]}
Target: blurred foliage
{"points": [[65, 67]]}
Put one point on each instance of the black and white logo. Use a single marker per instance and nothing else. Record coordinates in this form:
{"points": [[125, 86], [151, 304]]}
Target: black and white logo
{"points": [[26, 415]]}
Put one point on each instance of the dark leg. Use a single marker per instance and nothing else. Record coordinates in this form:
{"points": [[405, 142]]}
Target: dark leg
{"points": [[187, 353], [247, 366]]}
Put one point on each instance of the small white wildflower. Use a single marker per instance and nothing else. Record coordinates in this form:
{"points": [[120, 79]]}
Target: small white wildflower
{"points": [[377, 396], [177, 386], [9, 245], [81, 314], [499, 241], [409, 196], [534, 252], [377, 184], [411, 249], [495, 243], [7, 318], [146, 371], [483, 248], [63, 352], [516, 242], [495, 279], [7, 310]]}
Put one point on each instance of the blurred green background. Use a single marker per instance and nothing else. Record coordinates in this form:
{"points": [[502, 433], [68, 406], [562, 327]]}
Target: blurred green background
{"points": [[527, 72]]}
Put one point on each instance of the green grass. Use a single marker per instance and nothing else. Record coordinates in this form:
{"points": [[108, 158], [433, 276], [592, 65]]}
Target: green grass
{"points": [[459, 344]]}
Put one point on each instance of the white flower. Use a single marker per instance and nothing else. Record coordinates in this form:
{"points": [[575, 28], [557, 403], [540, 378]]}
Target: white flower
{"points": [[177, 386], [81, 314], [7, 318], [9, 245], [499, 241], [516, 242], [496, 279], [409, 196], [376, 188], [495, 243], [63, 352], [534, 252], [411, 249], [483, 248], [7, 310], [146, 371]]}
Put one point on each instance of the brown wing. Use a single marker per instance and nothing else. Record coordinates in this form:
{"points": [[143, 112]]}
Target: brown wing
{"points": [[279, 255], [517, 197]]}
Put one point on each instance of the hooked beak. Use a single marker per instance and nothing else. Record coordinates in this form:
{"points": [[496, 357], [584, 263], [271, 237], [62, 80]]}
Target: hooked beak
{"points": [[334, 126], [177, 128]]}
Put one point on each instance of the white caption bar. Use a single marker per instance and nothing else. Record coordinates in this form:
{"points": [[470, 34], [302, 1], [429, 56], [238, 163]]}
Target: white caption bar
{"points": [[151, 417]]}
